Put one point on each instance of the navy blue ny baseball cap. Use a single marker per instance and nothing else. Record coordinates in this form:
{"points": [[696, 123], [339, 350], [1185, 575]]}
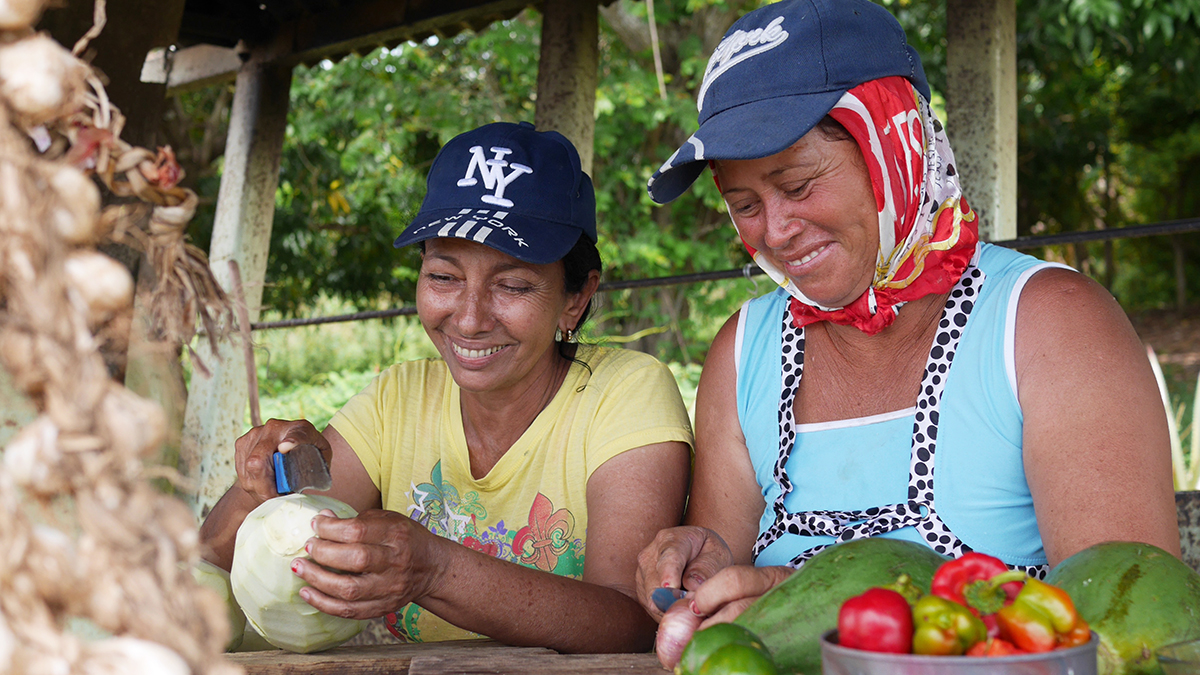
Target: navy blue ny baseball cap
{"points": [[511, 187], [778, 71]]}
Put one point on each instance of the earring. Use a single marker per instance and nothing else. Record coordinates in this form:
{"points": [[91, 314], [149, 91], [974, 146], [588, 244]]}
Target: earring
{"points": [[572, 335], [558, 335]]}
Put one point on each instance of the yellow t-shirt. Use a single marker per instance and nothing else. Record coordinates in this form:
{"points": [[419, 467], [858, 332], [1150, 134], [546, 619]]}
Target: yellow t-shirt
{"points": [[531, 508]]}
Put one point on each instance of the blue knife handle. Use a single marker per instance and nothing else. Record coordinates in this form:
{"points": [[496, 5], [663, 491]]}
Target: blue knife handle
{"points": [[663, 598], [281, 481]]}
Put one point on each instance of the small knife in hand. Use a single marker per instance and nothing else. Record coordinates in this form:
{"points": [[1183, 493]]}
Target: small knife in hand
{"points": [[301, 468]]}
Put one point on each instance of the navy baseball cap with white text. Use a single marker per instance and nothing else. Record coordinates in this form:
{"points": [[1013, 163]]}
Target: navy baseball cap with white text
{"points": [[510, 187], [778, 71]]}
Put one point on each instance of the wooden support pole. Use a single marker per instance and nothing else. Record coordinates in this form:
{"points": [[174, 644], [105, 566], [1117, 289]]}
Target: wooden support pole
{"points": [[981, 108], [567, 73], [216, 407]]}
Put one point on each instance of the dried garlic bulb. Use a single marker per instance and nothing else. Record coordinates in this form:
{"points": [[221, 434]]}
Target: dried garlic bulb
{"points": [[135, 426], [32, 458], [103, 284], [40, 79], [77, 209], [8, 644], [19, 14], [131, 656]]}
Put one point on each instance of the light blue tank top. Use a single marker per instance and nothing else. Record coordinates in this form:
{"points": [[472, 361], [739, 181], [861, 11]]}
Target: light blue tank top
{"points": [[980, 491]]}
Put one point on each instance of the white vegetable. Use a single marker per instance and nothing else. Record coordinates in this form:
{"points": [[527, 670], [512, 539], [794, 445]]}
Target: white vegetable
{"points": [[131, 656], [32, 457], [77, 212], [137, 426], [8, 644], [39, 78], [51, 560], [103, 284], [18, 14], [272, 536], [675, 630], [209, 575]]}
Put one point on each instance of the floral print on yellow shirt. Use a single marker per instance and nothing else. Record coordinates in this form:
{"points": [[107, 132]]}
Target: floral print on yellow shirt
{"points": [[545, 542]]}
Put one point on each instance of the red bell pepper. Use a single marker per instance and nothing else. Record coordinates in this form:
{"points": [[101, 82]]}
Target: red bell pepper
{"points": [[944, 628], [965, 581], [879, 620]]}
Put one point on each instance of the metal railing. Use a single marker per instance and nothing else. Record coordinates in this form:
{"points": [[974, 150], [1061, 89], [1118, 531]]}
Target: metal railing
{"points": [[751, 270]]}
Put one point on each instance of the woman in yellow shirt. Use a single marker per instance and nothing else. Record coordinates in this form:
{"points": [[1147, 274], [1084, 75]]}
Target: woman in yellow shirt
{"points": [[505, 488]]}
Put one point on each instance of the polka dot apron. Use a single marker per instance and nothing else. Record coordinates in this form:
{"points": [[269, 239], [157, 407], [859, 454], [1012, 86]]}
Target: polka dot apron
{"points": [[919, 510]]}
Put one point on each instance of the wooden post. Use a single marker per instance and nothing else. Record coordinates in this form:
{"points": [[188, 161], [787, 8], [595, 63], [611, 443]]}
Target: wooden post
{"points": [[567, 73], [216, 407], [981, 108]]}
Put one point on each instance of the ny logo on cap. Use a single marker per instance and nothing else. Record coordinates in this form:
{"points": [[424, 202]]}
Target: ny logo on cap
{"points": [[492, 171]]}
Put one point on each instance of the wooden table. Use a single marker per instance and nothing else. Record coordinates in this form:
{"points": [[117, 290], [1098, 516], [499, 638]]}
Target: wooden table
{"points": [[468, 657]]}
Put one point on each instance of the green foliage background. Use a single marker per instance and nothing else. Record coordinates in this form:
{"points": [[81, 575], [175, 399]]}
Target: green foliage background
{"points": [[1109, 136]]}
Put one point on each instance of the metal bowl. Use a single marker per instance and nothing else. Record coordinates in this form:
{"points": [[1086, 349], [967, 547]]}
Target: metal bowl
{"points": [[839, 660], [1181, 658]]}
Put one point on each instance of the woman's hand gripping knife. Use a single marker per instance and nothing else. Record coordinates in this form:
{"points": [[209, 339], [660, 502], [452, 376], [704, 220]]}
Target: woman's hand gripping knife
{"points": [[253, 461], [711, 555], [697, 560]]}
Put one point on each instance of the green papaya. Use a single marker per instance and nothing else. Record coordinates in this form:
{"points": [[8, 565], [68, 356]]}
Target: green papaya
{"points": [[791, 617], [1137, 598]]}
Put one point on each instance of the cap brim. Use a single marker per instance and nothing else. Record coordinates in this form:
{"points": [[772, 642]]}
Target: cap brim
{"points": [[750, 131], [507, 234]]}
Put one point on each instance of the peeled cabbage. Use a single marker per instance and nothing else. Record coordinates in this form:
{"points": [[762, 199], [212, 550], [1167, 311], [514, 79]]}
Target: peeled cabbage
{"points": [[272, 536], [208, 574]]}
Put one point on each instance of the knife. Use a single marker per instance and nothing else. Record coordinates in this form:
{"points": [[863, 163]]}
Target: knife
{"points": [[301, 468], [665, 597]]}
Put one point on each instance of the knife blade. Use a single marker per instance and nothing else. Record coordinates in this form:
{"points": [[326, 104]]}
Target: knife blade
{"points": [[301, 468], [663, 598]]}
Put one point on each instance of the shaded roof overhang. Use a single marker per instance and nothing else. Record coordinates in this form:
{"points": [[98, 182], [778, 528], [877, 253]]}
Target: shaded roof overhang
{"points": [[306, 31]]}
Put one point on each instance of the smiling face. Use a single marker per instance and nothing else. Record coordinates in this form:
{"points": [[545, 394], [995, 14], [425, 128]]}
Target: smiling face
{"points": [[810, 210], [492, 317]]}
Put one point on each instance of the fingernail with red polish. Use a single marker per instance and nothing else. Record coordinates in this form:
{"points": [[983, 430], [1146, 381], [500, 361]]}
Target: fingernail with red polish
{"points": [[296, 566], [692, 606], [314, 524], [308, 548]]}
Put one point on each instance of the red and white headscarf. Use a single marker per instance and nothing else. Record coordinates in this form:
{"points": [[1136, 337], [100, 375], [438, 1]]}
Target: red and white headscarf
{"points": [[927, 232]]}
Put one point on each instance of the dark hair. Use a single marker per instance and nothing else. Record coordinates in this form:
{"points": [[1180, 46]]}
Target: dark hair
{"points": [[833, 130], [578, 263]]}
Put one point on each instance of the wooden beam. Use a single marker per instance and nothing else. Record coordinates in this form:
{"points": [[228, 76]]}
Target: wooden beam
{"points": [[981, 108], [386, 22], [216, 407], [567, 73], [192, 68], [331, 34]]}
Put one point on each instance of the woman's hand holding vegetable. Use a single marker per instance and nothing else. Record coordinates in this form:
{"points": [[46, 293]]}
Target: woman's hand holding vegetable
{"points": [[720, 599], [368, 566]]}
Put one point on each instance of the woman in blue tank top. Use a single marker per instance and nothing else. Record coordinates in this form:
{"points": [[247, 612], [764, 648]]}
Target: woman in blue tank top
{"points": [[905, 380]]}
